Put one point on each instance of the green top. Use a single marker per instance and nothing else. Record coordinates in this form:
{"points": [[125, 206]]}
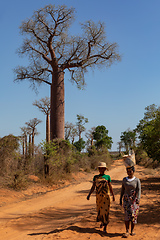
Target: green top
{"points": [[106, 177]]}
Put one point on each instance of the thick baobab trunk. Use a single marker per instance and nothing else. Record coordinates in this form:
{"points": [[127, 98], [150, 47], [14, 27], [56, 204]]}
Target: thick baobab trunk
{"points": [[57, 106], [47, 128]]}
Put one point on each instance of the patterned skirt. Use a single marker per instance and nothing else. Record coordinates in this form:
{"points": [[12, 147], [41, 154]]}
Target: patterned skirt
{"points": [[102, 202], [131, 208]]}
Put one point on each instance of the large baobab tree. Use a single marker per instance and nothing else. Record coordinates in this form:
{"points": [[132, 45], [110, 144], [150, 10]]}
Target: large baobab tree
{"points": [[44, 105], [52, 50]]}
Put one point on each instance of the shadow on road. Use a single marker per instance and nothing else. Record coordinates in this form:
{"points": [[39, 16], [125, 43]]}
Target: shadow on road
{"points": [[80, 230]]}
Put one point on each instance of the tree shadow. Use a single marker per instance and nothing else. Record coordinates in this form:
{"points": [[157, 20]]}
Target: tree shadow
{"points": [[79, 230], [152, 184], [150, 212], [51, 218]]}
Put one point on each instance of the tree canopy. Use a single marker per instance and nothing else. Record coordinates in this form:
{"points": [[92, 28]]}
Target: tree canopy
{"points": [[128, 139], [100, 134], [148, 131]]}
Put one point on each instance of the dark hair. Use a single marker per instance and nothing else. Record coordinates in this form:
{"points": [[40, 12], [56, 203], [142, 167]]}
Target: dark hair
{"points": [[132, 168]]}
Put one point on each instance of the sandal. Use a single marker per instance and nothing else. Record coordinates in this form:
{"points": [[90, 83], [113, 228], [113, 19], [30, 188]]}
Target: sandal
{"points": [[133, 234], [126, 235], [105, 229], [101, 225]]}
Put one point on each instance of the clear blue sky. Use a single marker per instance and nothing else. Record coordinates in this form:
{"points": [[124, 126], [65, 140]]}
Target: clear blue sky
{"points": [[115, 97]]}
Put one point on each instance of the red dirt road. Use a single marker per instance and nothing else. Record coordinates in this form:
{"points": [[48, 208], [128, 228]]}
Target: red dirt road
{"points": [[66, 214]]}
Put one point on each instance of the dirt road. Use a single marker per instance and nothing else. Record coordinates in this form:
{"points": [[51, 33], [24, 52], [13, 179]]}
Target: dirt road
{"points": [[66, 214]]}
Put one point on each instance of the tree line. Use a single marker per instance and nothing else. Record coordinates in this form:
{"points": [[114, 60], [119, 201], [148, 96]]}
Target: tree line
{"points": [[54, 159], [96, 136], [146, 135]]}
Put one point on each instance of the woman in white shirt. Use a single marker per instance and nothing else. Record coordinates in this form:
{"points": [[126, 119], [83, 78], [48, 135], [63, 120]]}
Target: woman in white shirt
{"points": [[131, 193]]}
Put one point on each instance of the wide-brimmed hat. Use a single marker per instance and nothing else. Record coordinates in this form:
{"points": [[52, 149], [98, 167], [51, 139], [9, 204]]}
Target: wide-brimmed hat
{"points": [[102, 164]]}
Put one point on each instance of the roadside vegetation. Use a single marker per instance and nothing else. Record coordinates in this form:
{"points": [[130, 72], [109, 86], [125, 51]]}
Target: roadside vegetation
{"points": [[144, 139], [54, 161], [51, 161]]}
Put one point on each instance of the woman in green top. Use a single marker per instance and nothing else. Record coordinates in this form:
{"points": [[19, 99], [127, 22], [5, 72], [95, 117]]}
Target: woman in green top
{"points": [[102, 183]]}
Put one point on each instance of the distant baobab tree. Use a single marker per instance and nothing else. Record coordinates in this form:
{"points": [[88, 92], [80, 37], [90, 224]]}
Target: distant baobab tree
{"points": [[90, 135], [31, 127], [44, 106], [24, 140], [51, 51], [81, 121], [70, 131]]}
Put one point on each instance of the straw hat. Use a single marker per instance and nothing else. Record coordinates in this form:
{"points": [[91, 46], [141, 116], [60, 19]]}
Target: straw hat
{"points": [[102, 164]]}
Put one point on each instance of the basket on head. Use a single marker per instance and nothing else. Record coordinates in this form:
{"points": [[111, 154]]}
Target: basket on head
{"points": [[129, 160]]}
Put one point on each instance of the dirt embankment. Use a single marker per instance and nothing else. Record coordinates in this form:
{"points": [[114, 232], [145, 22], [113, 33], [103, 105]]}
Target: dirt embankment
{"points": [[66, 214]]}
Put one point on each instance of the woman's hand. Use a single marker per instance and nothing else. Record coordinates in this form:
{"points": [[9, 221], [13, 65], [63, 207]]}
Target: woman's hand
{"points": [[88, 197]]}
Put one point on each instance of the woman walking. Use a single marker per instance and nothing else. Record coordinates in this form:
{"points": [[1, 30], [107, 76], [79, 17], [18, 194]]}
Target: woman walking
{"points": [[102, 183], [131, 193]]}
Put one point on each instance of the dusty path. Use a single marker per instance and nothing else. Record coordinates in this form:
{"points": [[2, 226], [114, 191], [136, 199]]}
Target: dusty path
{"points": [[66, 214]]}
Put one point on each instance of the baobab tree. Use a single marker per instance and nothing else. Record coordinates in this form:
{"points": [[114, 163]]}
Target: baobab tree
{"points": [[73, 134], [31, 126], [24, 133], [81, 121], [44, 105], [69, 129], [120, 146], [90, 135], [52, 50]]}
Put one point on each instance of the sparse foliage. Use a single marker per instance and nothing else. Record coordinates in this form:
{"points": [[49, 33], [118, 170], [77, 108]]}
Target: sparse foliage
{"points": [[70, 131], [81, 121]]}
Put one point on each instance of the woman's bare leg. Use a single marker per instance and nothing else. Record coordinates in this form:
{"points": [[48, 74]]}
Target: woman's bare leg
{"points": [[127, 226], [132, 227]]}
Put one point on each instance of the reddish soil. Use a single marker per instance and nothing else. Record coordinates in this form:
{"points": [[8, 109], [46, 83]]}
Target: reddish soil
{"points": [[45, 213]]}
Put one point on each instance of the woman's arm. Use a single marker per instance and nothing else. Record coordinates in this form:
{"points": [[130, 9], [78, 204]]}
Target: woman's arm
{"points": [[138, 190], [92, 190], [122, 193], [111, 190]]}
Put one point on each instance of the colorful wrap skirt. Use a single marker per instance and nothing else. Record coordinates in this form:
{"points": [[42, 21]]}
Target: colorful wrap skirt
{"points": [[102, 201], [131, 207]]}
